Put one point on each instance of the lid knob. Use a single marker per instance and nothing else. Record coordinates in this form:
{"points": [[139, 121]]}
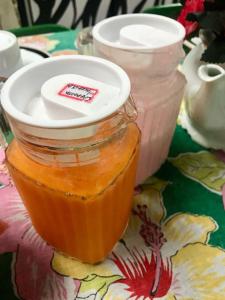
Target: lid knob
{"points": [[69, 96], [144, 35]]}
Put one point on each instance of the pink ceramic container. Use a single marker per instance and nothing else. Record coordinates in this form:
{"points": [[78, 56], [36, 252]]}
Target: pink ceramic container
{"points": [[156, 85]]}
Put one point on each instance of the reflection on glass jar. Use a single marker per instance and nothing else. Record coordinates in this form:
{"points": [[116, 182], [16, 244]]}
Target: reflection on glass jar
{"points": [[84, 41]]}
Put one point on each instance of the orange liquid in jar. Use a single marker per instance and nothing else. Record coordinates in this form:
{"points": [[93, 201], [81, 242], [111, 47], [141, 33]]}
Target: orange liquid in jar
{"points": [[81, 210]]}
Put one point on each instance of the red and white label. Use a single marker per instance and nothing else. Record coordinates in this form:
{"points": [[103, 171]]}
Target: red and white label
{"points": [[78, 92]]}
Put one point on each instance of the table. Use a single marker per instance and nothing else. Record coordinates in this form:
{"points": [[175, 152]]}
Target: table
{"points": [[173, 248]]}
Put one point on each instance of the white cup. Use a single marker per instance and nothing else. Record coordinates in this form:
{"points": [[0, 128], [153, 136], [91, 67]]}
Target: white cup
{"points": [[10, 57]]}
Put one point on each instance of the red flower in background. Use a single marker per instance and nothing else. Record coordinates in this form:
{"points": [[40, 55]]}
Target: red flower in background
{"points": [[191, 6]]}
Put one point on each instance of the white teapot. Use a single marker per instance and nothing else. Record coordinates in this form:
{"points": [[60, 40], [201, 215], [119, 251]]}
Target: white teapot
{"points": [[204, 100]]}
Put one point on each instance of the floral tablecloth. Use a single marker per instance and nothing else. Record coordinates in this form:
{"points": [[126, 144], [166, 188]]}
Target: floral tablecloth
{"points": [[173, 248]]}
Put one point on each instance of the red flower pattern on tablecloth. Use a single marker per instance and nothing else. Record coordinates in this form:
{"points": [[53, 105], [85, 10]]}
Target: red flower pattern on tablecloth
{"points": [[140, 275], [146, 277]]}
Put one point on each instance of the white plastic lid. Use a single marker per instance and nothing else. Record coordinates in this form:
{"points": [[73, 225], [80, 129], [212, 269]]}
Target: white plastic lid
{"points": [[137, 32], [65, 91]]}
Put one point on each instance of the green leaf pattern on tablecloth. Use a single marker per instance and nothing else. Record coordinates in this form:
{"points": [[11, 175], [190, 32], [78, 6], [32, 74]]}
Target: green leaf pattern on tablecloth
{"points": [[203, 167]]}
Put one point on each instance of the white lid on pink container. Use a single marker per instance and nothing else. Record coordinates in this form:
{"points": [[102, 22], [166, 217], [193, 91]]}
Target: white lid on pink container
{"points": [[108, 32]]}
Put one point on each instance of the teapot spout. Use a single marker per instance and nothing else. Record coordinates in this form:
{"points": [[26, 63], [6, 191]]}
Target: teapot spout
{"points": [[210, 72], [207, 106]]}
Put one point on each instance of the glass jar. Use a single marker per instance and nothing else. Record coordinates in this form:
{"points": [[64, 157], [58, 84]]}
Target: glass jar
{"points": [[75, 181], [84, 41]]}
